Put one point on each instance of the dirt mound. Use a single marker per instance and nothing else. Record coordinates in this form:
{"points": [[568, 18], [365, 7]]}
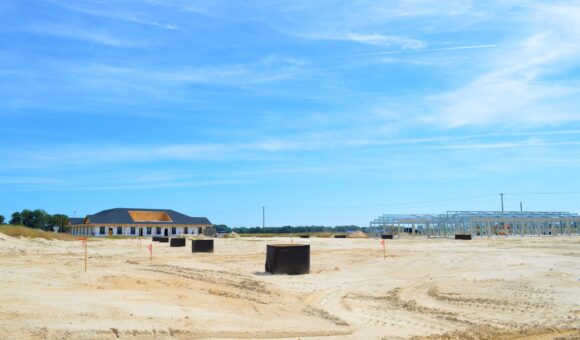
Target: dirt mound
{"points": [[197, 237], [357, 234], [232, 235], [21, 231]]}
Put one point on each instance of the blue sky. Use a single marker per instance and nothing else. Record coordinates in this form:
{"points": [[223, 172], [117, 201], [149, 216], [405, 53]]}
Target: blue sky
{"points": [[325, 112]]}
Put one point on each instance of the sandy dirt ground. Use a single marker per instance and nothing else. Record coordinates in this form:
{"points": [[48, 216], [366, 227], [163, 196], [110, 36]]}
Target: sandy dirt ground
{"points": [[498, 288]]}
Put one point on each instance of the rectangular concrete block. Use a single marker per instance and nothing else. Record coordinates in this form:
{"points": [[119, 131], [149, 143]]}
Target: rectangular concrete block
{"points": [[288, 258], [202, 246], [177, 242]]}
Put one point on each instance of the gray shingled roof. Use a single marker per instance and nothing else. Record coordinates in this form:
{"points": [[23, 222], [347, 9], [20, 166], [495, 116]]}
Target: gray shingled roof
{"points": [[75, 220], [121, 216]]}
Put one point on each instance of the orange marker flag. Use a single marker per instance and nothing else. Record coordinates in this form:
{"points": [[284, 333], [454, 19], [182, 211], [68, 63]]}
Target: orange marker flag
{"points": [[384, 250], [84, 243]]}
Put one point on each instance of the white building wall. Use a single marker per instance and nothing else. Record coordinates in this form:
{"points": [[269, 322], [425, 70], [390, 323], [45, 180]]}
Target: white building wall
{"points": [[126, 231]]}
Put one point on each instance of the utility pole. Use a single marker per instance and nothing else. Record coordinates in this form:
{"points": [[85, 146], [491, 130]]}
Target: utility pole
{"points": [[263, 217], [501, 194], [521, 208]]}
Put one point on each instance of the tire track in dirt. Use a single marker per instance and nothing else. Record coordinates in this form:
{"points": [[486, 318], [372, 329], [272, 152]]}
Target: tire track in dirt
{"points": [[502, 309], [234, 285], [392, 312]]}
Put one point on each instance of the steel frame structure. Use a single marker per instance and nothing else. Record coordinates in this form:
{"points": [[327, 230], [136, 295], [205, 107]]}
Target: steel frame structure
{"points": [[478, 223]]}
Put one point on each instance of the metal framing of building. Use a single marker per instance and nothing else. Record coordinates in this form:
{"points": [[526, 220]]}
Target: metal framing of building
{"points": [[479, 223]]}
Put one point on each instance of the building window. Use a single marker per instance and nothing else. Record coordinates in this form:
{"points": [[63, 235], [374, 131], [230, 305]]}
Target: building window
{"points": [[173, 230], [158, 231], [185, 230], [102, 230], [148, 230], [132, 230], [119, 231]]}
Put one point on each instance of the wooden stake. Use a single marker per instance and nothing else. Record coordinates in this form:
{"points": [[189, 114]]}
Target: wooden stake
{"points": [[85, 242]]}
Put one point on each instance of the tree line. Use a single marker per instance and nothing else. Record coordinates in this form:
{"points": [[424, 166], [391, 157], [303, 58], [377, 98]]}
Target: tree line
{"points": [[222, 228], [38, 219]]}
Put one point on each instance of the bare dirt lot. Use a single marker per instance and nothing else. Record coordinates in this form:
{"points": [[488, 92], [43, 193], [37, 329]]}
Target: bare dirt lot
{"points": [[495, 288]]}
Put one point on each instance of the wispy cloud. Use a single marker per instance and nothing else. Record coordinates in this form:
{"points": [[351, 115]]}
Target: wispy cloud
{"points": [[81, 156], [153, 185], [269, 69], [375, 39], [423, 50], [116, 13], [512, 91], [97, 36], [507, 145]]}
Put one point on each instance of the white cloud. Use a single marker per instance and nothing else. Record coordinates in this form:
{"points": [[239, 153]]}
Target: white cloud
{"points": [[116, 13], [394, 41], [521, 84], [89, 155], [269, 69], [384, 40], [97, 36], [505, 145]]}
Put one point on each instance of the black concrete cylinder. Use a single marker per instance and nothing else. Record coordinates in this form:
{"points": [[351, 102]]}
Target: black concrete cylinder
{"points": [[163, 239], [202, 246], [304, 236], [177, 242], [462, 237], [387, 237], [339, 236], [288, 258]]}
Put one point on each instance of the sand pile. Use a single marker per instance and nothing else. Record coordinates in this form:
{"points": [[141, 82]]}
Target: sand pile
{"points": [[232, 235], [357, 234]]}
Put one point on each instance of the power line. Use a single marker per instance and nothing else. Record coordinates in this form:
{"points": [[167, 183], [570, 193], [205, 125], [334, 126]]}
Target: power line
{"points": [[383, 205], [545, 193], [422, 202]]}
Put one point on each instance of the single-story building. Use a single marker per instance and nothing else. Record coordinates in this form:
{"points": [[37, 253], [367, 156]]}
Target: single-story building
{"points": [[138, 222]]}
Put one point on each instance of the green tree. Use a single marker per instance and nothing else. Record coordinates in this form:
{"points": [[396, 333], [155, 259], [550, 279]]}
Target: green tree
{"points": [[16, 219], [2, 219], [58, 220], [27, 217], [222, 228], [37, 218], [40, 219]]}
